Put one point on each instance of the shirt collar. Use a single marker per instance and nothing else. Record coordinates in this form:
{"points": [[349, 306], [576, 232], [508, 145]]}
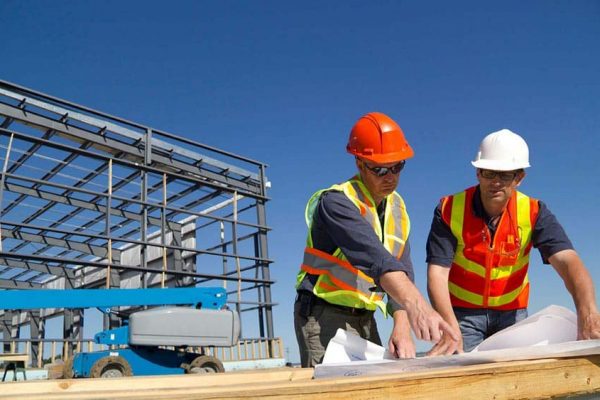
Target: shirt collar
{"points": [[478, 209]]}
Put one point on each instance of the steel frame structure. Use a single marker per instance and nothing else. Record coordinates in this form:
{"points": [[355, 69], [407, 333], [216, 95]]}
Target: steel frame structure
{"points": [[92, 200]]}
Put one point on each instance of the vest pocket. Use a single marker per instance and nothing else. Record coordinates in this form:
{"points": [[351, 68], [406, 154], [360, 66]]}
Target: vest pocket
{"points": [[508, 254]]}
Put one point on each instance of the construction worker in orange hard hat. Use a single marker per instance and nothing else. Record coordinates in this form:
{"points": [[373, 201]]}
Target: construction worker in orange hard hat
{"points": [[479, 245], [357, 250], [377, 138]]}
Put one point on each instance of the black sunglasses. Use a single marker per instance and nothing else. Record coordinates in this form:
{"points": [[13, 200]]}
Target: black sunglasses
{"points": [[505, 176], [383, 171]]}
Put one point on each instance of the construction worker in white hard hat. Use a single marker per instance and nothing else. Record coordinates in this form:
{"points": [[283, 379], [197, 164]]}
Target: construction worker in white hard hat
{"points": [[357, 247], [479, 245]]}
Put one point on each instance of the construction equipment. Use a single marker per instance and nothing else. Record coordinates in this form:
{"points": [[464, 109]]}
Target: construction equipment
{"points": [[152, 341]]}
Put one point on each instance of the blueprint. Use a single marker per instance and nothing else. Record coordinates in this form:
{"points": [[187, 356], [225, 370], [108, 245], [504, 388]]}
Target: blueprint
{"points": [[550, 333]]}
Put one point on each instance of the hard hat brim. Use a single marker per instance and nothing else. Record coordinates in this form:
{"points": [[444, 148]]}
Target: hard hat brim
{"points": [[387, 157], [497, 165]]}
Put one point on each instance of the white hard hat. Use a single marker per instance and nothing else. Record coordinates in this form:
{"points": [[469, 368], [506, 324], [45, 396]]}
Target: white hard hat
{"points": [[502, 151]]}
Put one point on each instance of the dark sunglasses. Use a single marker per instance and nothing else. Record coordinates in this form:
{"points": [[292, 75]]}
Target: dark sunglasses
{"points": [[505, 176], [383, 171]]}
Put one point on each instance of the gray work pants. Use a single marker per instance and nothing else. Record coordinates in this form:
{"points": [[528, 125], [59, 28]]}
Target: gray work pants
{"points": [[317, 324]]}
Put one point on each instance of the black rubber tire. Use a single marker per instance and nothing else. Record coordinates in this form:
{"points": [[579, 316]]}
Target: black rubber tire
{"points": [[110, 367], [205, 364]]}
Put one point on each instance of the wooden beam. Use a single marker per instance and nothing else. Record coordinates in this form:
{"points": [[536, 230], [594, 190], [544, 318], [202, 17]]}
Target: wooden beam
{"points": [[537, 379], [22, 357]]}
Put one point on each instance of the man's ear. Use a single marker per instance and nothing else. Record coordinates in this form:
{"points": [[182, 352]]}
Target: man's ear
{"points": [[358, 163], [520, 177]]}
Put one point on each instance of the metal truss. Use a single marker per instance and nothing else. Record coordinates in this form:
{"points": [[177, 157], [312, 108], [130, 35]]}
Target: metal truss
{"points": [[92, 200]]}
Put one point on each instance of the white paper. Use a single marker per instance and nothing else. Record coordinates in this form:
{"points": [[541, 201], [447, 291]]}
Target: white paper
{"points": [[549, 333], [553, 324], [376, 367], [346, 347]]}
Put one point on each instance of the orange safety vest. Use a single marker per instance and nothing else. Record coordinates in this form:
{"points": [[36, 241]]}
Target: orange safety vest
{"points": [[486, 273], [339, 282]]}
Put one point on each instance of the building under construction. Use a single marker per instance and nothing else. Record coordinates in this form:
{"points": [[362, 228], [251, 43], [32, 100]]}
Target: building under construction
{"points": [[90, 200]]}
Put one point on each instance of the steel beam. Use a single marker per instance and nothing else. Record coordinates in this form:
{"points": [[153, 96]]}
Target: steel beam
{"points": [[131, 153], [67, 244], [59, 271], [87, 205], [10, 284], [149, 154], [263, 253]]}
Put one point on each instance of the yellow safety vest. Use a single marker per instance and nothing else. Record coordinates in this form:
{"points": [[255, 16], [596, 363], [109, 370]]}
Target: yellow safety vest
{"points": [[339, 282]]}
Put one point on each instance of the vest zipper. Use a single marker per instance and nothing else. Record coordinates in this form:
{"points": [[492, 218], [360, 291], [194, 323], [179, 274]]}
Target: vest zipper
{"points": [[489, 258], [487, 236]]}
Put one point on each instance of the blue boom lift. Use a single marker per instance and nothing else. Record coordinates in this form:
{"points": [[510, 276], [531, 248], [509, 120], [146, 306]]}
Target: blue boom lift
{"points": [[137, 348]]}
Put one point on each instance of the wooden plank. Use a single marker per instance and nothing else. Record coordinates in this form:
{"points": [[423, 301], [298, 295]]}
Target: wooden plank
{"points": [[24, 357], [280, 343], [539, 379], [125, 387], [40, 359]]}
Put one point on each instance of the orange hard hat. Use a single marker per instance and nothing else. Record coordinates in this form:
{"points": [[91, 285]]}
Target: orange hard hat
{"points": [[376, 137]]}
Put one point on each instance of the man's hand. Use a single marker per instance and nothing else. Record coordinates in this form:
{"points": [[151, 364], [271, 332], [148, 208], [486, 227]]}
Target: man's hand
{"points": [[588, 326], [437, 286], [446, 347], [424, 320], [401, 344], [579, 283], [427, 323]]}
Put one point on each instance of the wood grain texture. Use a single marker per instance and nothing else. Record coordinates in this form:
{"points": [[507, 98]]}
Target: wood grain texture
{"points": [[539, 379], [4, 357]]}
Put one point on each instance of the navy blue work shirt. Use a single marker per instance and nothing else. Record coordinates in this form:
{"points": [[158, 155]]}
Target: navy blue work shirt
{"points": [[548, 235]]}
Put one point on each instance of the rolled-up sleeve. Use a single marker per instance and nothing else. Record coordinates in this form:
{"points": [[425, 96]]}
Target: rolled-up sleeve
{"points": [[356, 239], [441, 243], [548, 235]]}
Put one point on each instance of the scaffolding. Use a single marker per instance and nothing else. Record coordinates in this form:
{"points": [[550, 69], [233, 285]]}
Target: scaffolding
{"points": [[90, 200]]}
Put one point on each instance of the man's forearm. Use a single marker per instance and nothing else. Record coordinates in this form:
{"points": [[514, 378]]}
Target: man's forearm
{"points": [[425, 321], [401, 323], [579, 283], [577, 280], [439, 296], [397, 285], [583, 291]]}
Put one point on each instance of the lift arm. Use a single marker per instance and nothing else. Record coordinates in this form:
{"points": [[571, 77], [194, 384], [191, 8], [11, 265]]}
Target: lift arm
{"points": [[209, 297]]}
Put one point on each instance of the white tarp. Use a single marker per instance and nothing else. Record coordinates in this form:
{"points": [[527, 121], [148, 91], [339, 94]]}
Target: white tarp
{"points": [[550, 333]]}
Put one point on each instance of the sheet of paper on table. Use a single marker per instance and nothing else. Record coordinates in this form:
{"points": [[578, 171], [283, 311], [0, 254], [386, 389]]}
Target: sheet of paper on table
{"points": [[549, 333]]}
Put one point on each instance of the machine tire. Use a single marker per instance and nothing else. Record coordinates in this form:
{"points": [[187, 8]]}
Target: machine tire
{"points": [[110, 367], [68, 369], [205, 365]]}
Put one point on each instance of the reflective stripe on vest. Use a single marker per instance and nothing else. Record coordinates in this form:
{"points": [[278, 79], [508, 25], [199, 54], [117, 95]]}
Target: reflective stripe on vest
{"points": [[484, 274], [340, 272], [397, 223], [339, 281]]}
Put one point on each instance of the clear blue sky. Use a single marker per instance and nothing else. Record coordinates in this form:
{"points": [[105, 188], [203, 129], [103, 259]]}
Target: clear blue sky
{"points": [[283, 83]]}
